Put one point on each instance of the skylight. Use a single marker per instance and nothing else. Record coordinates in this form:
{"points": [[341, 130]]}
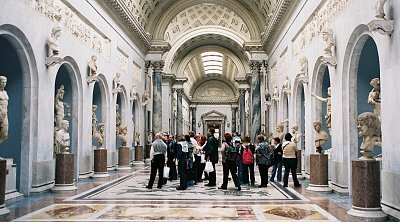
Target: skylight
{"points": [[212, 62]]}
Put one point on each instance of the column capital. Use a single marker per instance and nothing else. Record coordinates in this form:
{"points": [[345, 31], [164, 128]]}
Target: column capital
{"points": [[157, 66], [255, 65]]}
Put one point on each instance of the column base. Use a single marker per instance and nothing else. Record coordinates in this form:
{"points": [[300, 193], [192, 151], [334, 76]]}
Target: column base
{"points": [[63, 187], [4, 210], [100, 175], [124, 169], [376, 214], [319, 188]]}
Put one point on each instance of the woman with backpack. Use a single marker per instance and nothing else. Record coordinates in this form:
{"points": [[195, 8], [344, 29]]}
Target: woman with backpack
{"points": [[229, 155], [263, 159], [248, 161]]}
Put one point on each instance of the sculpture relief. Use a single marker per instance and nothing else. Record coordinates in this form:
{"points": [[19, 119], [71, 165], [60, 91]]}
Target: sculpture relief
{"points": [[123, 131], [369, 129], [3, 109], [374, 97], [61, 138], [328, 114], [53, 48], [99, 135], [320, 136]]}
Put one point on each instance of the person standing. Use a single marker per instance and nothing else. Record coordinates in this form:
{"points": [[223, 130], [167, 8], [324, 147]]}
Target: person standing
{"points": [[201, 141], [182, 150], [289, 160], [211, 151], [248, 161], [158, 152], [171, 156], [277, 160], [263, 159], [230, 154]]}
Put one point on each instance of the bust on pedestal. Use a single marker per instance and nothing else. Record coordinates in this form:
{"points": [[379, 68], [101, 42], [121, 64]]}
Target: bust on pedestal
{"points": [[123, 151], [100, 154], [53, 48], [366, 199], [93, 70]]}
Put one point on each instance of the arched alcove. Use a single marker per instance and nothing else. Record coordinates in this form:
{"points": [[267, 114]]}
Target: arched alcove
{"points": [[285, 110]]}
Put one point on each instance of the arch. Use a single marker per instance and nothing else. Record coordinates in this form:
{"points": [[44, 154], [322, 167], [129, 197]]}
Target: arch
{"points": [[284, 108], [298, 88], [30, 112], [123, 108], [105, 113], [160, 26]]}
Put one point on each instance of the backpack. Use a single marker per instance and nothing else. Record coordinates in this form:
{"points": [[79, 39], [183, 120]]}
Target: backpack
{"points": [[232, 152], [247, 156]]}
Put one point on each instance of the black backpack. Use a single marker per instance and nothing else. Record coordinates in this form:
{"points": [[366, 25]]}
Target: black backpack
{"points": [[232, 152]]}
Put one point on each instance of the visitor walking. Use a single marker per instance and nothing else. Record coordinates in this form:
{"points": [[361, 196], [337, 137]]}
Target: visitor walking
{"points": [[158, 152], [289, 160], [263, 159], [277, 160], [248, 161], [230, 154]]}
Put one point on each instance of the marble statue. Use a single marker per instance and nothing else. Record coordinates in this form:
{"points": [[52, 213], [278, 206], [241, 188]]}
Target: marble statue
{"points": [[3, 109], [137, 138], [275, 93], [286, 84], [52, 42], [99, 135], [145, 98], [59, 107], [303, 66], [117, 118], [327, 36], [61, 138], [379, 8], [279, 131], [94, 119], [320, 136], [117, 81], [369, 129], [93, 66], [374, 97], [328, 114], [123, 131], [296, 135], [133, 93]]}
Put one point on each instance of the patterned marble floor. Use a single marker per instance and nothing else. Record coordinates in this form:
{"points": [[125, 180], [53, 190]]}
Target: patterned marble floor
{"points": [[125, 198]]}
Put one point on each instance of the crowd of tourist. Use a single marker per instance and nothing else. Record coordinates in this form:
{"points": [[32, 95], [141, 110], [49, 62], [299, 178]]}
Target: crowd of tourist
{"points": [[191, 156]]}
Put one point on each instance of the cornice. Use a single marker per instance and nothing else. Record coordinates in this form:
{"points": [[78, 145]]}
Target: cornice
{"points": [[282, 7]]}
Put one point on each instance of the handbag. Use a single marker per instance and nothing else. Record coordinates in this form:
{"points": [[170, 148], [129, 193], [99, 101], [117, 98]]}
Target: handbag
{"points": [[166, 172], [209, 167]]}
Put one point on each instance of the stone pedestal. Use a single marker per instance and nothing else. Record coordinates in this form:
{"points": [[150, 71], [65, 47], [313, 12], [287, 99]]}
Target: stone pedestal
{"points": [[298, 170], [3, 172], [100, 163], [11, 180], [124, 158], [64, 172], [366, 190], [139, 153], [148, 147], [319, 173]]}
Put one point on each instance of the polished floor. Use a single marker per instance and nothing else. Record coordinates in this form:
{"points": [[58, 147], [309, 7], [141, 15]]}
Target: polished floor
{"points": [[124, 197]]}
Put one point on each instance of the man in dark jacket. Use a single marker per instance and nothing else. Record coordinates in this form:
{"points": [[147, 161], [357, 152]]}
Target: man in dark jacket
{"points": [[171, 155], [211, 153], [277, 160]]}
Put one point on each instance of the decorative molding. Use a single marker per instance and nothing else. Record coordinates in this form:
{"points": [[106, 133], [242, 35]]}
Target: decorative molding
{"points": [[384, 27], [159, 46], [122, 62], [253, 47]]}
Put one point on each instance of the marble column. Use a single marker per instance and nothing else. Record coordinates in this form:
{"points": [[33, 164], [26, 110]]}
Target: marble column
{"points": [[255, 99], [234, 119], [193, 109], [179, 117], [242, 93], [157, 95]]}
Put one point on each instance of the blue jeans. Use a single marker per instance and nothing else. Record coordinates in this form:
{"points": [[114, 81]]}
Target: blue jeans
{"points": [[277, 166]]}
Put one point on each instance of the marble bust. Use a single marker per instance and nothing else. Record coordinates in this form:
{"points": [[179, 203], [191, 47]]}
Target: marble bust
{"points": [[3, 109], [327, 36], [369, 129], [320, 136], [296, 135], [53, 47], [93, 66], [275, 93], [279, 131], [137, 138], [286, 84], [123, 131], [379, 9], [99, 135], [374, 97], [328, 114], [117, 81], [133, 93], [62, 138], [59, 107], [303, 67], [145, 98]]}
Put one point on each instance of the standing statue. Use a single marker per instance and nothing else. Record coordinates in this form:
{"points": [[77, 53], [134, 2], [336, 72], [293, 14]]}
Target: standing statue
{"points": [[327, 36], [303, 67], [369, 129], [296, 135], [145, 98], [320, 136], [133, 93], [117, 118], [379, 8], [93, 66], [275, 93], [137, 138], [61, 138], [53, 47], [59, 107], [374, 97], [117, 81], [123, 131], [279, 131], [328, 114], [3, 109], [94, 119], [286, 84], [99, 135]]}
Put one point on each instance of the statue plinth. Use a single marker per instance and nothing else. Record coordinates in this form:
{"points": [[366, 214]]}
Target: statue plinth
{"points": [[139, 153], [287, 91], [64, 172], [92, 79], [51, 61], [148, 148], [302, 78], [3, 172], [329, 60], [298, 170], [366, 198], [384, 27], [117, 90], [100, 163], [319, 173], [124, 158]]}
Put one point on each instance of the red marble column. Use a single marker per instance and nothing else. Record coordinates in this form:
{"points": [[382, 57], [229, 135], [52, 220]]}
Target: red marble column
{"points": [[100, 163], [298, 170], [139, 153], [148, 147], [123, 157], [64, 172], [319, 173]]}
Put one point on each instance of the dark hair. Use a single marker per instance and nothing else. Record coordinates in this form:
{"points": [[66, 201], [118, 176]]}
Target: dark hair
{"points": [[246, 139], [203, 140], [187, 138], [288, 137], [180, 137], [212, 130], [260, 138], [191, 133], [228, 137], [277, 139]]}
